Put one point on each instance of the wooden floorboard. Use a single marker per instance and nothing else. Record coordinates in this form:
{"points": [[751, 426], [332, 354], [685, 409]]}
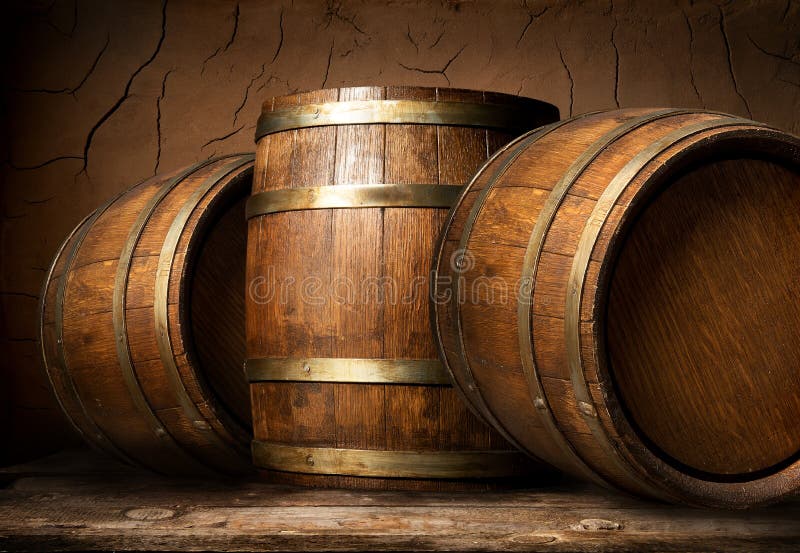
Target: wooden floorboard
{"points": [[77, 501]]}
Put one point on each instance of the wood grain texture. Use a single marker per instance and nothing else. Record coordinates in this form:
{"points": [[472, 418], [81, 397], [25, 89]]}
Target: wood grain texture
{"points": [[75, 503], [100, 98], [356, 284], [113, 381], [683, 385], [702, 330]]}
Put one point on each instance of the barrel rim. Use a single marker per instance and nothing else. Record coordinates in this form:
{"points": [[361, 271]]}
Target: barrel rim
{"points": [[692, 486], [228, 176], [509, 98]]}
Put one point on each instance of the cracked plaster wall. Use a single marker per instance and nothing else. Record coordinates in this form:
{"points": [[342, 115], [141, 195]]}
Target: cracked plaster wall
{"points": [[99, 95]]}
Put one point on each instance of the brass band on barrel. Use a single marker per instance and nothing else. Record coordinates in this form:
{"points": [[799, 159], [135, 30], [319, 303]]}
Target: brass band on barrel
{"points": [[362, 371], [409, 112], [388, 464], [352, 196]]}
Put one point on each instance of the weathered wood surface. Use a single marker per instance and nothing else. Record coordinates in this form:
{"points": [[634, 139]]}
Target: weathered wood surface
{"points": [[89, 79], [371, 267], [78, 502]]}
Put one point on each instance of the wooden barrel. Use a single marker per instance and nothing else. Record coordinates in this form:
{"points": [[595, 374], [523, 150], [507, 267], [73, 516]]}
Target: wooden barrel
{"points": [[350, 190], [618, 292], [142, 322]]}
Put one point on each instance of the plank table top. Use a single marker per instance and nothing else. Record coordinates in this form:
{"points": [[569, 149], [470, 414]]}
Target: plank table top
{"points": [[78, 501]]}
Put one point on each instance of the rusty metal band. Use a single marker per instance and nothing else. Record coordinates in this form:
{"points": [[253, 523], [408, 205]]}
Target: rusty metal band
{"points": [[161, 298], [41, 313], [120, 323], [96, 436], [530, 267], [473, 391], [352, 196], [362, 371], [579, 271], [407, 112], [388, 464]]}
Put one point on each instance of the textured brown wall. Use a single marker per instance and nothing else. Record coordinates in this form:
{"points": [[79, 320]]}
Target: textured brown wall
{"points": [[102, 94]]}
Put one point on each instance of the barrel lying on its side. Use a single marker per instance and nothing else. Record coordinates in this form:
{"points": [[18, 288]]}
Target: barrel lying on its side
{"points": [[350, 191], [142, 322], [652, 340]]}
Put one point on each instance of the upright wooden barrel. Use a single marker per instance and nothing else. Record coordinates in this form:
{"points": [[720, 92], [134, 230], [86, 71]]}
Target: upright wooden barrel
{"points": [[142, 322], [618, 292], [350, 190]]}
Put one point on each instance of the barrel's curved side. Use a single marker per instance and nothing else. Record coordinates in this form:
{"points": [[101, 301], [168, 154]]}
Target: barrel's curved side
{"points": [[93, 433], [509, 155], [45, 343], [160, 433], [442, 288]]}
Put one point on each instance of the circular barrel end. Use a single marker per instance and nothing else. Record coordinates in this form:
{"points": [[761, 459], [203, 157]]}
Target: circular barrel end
{"points": [[703, 322]]}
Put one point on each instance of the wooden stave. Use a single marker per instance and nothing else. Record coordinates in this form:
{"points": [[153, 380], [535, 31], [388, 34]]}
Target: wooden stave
{"points": [[660, 481]]}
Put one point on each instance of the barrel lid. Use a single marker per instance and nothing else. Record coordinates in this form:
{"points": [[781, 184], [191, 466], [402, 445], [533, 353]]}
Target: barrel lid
{"points": [[703, 319]]}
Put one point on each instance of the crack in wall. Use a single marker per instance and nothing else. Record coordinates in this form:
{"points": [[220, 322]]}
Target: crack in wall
{"points": [[222, 49], [280, 42], [569, 76], [40, 165], [247, 93], [411, 38], [436, 42], [729, 57], [531, 18], [38, 202], [691, 58], [442, 71], [616, 52], [76, 88], [58, 29], [158, 118], [221, 138], [272, 79], [8, 217], [334, 11], [782, 57], [126, 93], [328, 67]]}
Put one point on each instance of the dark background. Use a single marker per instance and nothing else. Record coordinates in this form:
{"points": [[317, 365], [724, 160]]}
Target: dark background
{"points": [[99, 94]]}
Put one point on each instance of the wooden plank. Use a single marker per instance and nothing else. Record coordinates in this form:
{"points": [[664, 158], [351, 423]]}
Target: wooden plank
{"points": [[66, 503]]}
